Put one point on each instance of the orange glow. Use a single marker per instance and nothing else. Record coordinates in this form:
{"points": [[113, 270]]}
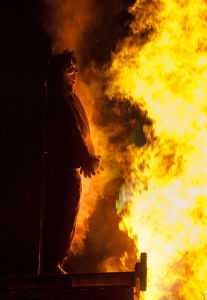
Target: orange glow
{"points": [[92, 188], [66, 21], [162, 66]]}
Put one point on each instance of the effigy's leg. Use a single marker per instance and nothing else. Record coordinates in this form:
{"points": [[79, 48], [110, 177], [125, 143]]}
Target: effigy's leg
{"points": [[62, 204]]}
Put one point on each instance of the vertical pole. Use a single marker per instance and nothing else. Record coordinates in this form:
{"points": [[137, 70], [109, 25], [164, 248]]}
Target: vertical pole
{"points": [[44, 152]]}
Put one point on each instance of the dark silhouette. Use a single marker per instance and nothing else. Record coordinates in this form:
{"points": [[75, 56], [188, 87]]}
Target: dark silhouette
{"points": [[69, 148], [25, 52]]}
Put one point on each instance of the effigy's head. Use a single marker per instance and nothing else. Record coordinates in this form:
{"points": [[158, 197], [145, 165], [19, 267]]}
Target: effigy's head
{"points": [[62, 67]]}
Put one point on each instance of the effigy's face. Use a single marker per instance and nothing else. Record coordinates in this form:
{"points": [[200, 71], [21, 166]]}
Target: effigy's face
{"points": [[70, 74]]}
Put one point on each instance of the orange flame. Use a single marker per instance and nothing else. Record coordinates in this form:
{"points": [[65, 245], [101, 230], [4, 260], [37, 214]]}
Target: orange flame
{"points": [[162, 66]]}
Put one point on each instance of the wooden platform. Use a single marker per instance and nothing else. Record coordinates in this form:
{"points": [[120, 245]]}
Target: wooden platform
{"points": [[91, 286]]}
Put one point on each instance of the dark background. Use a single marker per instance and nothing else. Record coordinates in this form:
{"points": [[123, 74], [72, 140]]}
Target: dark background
{"points": [[26, 49]]}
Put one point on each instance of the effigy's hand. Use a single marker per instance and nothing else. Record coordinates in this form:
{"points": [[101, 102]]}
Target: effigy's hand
{"points": [[91, 166], [97, 164]]}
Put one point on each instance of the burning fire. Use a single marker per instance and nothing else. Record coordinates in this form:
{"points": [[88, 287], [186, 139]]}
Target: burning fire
{"points": [[162, 66]]}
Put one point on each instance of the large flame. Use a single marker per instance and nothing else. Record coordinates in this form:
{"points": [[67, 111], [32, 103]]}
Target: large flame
{"points": [[162, 66]]}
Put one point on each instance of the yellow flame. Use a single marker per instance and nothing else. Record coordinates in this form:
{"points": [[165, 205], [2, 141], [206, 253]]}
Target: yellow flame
{"points": [[162, 66]]}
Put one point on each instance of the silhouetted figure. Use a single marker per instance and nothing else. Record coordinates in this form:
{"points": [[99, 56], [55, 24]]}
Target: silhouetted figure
{"points": [[69, 148]]}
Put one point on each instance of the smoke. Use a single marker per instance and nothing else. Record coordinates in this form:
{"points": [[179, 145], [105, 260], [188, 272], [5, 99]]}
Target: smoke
{"points": [[93, 29], [67, 21]]}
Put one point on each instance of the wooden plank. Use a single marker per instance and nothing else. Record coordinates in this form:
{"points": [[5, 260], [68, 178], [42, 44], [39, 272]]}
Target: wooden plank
{"points": [[103, 279], [39, 282], [71, 280], [109, 293]]}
